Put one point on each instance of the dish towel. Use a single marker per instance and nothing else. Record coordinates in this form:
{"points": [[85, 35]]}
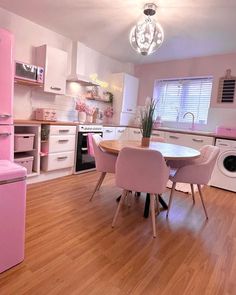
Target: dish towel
{"points": [[90, 144]]}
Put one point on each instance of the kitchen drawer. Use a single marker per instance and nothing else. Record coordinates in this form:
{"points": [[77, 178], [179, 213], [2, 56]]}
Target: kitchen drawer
{"points": [[57, 161], [157, 133], [62, 130], [61, 143], [135, 134], [198, 141], [122, 133], [109, 133]]}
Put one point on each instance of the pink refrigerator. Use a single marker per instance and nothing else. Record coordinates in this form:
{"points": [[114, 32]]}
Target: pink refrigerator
{"points": [[12, 176], [6, 95]]}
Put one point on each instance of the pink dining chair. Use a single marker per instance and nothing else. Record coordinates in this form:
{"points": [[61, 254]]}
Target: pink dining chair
{"points": [[105, 162], [197, 171], [141, 170]]}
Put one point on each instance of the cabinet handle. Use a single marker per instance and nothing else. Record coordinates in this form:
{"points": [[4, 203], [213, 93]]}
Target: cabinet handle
{"points": [[121, 131], [155, 134], [173, 137], [55, 88], [63, 140], [129, 110], [5, 116], [5, 134], [137, 132], [223, 144], [64, 130], [108, 131], [62, 158], [197, 140]]}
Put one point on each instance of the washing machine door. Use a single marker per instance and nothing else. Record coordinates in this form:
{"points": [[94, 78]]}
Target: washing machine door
{"points": [[227, 163]]}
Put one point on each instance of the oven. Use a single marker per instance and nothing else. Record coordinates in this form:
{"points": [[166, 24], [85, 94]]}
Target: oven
{"points": [[83, 160]]}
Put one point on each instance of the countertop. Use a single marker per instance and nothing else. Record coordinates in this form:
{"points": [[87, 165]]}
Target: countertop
{"points": [[164, 129]]}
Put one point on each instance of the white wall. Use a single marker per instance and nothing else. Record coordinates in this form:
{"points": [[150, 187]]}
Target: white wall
{"points": [[29, 35]]}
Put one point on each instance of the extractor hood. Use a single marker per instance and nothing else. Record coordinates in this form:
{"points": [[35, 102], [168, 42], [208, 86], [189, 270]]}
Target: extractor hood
{"points": [[78, 67]]}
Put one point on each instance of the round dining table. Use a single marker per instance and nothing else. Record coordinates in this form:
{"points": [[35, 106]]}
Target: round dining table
{"points": [[168, 151]]}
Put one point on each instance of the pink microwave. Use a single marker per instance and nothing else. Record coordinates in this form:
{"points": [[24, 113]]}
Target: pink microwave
{"points": [[29, 72]]}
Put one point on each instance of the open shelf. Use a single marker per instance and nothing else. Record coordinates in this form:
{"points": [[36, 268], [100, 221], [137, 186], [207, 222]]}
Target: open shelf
{"points": [[27, 83], [97, 99]]}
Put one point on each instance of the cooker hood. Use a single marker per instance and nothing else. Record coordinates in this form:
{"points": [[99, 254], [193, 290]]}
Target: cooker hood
{"points": [[78, 67]]}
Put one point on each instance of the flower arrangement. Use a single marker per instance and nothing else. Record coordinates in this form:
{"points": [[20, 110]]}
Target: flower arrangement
{"points": [[147, 120], [80, 106], [108, 112]]}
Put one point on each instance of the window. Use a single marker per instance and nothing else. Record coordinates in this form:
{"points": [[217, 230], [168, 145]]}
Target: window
{"points": [[177, 96]]}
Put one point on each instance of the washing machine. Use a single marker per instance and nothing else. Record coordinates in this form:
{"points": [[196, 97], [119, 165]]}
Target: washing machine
{"points": [[224, 173]]}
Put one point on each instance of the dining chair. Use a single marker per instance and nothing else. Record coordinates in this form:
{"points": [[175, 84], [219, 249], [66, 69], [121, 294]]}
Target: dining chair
{"points": [[141, 170], [197, 171], [105, 162]]}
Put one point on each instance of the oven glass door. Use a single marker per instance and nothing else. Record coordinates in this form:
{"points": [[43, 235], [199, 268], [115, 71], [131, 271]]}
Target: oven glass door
{"points": [[84, 161]]}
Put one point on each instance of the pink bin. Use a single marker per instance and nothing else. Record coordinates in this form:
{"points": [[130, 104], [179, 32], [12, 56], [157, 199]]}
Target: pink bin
{"points": [[23, 142], [25, 161]]}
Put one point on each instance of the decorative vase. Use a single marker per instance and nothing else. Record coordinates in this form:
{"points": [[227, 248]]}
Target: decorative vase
{"points": [[145, 141], [82, 117], [89, 119]]}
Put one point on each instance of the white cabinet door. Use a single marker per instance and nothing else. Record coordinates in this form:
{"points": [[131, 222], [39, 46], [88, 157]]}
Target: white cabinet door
{"points": [[109, 133], [135, 134], [122, 133], [130, 94], [54, 62]]}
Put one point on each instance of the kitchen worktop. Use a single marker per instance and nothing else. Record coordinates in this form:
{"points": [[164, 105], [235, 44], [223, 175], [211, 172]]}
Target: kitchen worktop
{"points": [[165, 129]]}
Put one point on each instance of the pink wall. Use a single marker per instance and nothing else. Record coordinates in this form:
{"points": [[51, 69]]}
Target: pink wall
{"points": [[203, 66]]}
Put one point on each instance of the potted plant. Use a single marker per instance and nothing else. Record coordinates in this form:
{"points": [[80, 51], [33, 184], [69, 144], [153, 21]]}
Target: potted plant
{"points": [[147, 120]]}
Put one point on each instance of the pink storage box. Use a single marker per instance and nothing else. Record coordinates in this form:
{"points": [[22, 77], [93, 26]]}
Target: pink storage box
{"points": [[45, 115], [26, 161], [226, 131], [23, 142]]}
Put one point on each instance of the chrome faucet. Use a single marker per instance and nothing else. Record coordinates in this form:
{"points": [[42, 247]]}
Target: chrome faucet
{"points": [[193, 118]]}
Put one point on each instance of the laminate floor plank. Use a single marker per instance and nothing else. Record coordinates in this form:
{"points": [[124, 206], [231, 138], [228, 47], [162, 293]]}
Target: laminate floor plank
{"points": [[72, 249]]}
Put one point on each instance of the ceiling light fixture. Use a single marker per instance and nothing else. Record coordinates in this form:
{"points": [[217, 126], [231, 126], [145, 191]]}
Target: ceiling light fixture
{"points": [[147, 35]]}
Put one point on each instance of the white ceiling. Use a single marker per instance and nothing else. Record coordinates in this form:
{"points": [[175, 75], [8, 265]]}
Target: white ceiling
{"points": [[192, 27]]}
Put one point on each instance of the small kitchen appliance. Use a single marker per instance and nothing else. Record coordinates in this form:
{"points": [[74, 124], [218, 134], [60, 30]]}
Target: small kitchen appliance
{"points": [[27, 72]]}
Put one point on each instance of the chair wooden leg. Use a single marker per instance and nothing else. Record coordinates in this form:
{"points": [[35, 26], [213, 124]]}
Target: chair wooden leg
{"points": [[158, 204], [202, 200], [171, 197], [124, 193], [98, 185], [192, 190], [152, 203]]}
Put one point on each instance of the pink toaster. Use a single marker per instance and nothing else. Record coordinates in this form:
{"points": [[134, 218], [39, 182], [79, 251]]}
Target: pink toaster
{"points": [[45, 115], [226, 131]]}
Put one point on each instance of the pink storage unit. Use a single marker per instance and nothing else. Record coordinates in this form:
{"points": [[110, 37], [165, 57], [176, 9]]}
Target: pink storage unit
{"points": [[226, 131], [6, 94], [12, 214], [26, 162], [23, 142]]}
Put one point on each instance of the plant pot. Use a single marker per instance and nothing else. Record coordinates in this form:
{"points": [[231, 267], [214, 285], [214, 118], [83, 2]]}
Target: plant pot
{"points": [[145, 141], [81, 117]]}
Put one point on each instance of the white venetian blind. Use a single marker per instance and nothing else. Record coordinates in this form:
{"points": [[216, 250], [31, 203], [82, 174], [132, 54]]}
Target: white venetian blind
{"points": [[176, 97]]}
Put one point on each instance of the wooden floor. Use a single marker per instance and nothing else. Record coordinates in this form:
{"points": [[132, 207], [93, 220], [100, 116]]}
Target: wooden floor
{"points": [[72, 249]]}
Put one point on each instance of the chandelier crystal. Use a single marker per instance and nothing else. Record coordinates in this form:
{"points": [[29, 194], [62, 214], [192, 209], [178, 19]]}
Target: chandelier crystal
{"points": [[147, 35]]}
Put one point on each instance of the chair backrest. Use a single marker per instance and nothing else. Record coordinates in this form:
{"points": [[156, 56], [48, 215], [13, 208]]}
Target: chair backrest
{"points": [[199, 170], [141, 170], [105, 162]]}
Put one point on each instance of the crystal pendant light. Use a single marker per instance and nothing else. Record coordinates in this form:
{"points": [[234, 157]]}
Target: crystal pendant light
{"points": [[147, 36]]}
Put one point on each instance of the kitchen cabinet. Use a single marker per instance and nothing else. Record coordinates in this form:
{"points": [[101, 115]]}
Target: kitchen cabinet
{"points": [[58, 148], [157, 133], [135, 134], [125, 90], [54, 62], [122, 133], [190, 140], [109, 133]]}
